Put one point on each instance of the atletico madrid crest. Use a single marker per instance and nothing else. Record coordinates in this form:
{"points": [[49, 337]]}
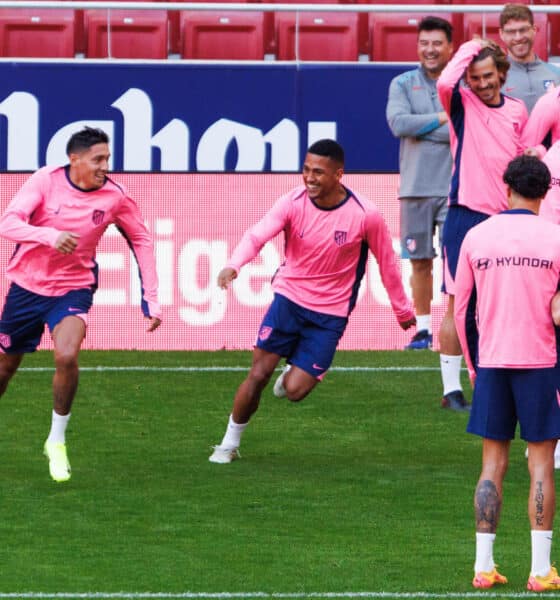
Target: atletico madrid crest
{"points": [[340, 237], [265, 332], [97, 217], [5, 340]]}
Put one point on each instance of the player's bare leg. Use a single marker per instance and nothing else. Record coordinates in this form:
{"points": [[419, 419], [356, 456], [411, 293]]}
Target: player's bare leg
{"points": [[298, 384], [450, 360], [9, 364], [541, 509], [67, 337], [245, 403], [421, 284], [487, 507], [247, 398]]}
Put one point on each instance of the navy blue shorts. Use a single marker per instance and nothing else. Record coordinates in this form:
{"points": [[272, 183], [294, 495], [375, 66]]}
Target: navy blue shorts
{"points": [[25, 313], [458, 222], [504, 397], [308, 339]]}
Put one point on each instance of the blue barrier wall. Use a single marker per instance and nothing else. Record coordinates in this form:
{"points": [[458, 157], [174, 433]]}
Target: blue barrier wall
{"points": [[197, 117]]}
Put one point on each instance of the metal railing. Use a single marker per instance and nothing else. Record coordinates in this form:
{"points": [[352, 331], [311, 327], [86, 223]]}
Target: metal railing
{"points": [[265, 7]]}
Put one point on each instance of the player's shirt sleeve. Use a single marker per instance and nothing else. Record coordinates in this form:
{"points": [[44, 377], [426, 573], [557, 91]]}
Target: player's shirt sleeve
{"points": [[544, 119], [453, 72], [259, 234], [380, 244], [401, 118], [550, 206], [14, 223], [130, 223], [464, 283]]}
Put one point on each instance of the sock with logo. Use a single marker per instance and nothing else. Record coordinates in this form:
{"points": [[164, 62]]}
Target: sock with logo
{"points": [[450, 372]]}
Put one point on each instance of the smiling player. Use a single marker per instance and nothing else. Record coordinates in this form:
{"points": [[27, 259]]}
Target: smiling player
{"points": [[415, 115], [485, 131], [328, 230], [57, 219]]}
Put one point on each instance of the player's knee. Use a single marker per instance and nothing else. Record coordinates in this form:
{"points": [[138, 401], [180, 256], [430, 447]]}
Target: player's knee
{"points": [[8, 366], [260, 376], [66, 359], [296, 393], [7, 371]]}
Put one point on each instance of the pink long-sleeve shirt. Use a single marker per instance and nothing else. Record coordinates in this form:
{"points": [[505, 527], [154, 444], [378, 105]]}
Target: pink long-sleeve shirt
{"points": [[550, 206], [544, 119], [326, 252], [484, 139], [48, 204], [513, 260]]}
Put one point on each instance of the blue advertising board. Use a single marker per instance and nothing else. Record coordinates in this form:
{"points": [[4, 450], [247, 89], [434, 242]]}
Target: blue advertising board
{"points": [[193, 117]]}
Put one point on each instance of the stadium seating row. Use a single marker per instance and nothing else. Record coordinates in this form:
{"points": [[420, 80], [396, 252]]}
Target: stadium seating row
{"points": [[152, 34]]}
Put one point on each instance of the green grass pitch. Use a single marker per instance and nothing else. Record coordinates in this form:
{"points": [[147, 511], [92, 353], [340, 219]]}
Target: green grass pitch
{"points": [[365, 486]]}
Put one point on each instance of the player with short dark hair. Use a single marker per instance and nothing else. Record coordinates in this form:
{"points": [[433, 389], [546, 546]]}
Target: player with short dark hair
{"points": [[328, 230], [85, 139], [57, 219], [415, 115], [485, 131], [512, 261]]}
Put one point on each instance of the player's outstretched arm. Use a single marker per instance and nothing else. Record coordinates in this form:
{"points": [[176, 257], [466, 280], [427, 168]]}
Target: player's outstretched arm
{"points": [[225, 277]]}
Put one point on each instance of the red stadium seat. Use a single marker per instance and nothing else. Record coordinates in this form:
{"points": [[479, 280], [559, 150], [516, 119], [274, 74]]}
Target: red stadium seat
{"points": [[126, 33], [554, 30], [488, 2], [322, 36], [175, 27], [394, 36], [34, 32], [363, 19], [222, 35], [488, 25], [269, 25]]}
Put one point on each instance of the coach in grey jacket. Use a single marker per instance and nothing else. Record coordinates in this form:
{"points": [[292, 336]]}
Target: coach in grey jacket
{"points": [[415, 115], [529, 77]]}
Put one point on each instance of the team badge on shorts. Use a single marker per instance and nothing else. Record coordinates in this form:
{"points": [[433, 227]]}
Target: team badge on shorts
{"points": [[265, 332], [340, 237], [5, 340], [97, 217], [547, 84], [411, 245]]}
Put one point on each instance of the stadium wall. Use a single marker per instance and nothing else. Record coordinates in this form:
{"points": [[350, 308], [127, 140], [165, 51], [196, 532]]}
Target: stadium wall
{"points": [[197, 117], [196, 220], [195, 131]]}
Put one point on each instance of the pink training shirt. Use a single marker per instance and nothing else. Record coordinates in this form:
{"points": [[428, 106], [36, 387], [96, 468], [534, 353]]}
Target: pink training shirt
{"points": [[513, 259], [550, 206], [544, 119], [484, 139], [48, 204], [326, 252]]}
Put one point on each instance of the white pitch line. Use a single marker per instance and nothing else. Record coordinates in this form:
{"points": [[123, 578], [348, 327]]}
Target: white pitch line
{"points": [[230, 369]]}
